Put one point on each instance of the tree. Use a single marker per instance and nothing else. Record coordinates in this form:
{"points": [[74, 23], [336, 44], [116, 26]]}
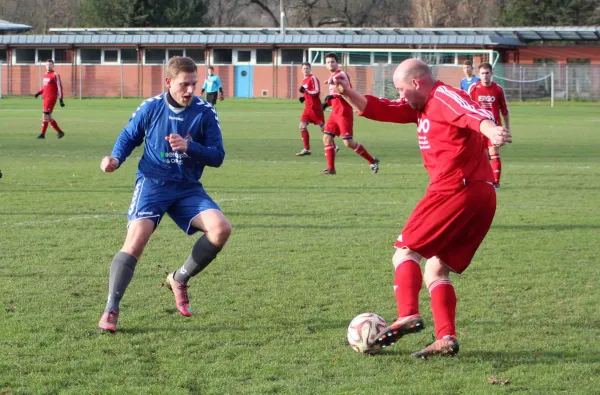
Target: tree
{"points": [[145, 13], [551, 13]]}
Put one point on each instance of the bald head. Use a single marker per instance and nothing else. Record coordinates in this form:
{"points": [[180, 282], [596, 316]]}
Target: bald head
{"points": [[414, 81], [413, 69]]}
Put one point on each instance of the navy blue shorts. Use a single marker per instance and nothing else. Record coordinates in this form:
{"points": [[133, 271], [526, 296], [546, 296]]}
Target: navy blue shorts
{"points": [[182, 201]]}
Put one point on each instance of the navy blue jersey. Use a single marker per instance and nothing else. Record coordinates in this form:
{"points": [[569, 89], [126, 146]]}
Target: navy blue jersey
{"points": [[153, 120]]}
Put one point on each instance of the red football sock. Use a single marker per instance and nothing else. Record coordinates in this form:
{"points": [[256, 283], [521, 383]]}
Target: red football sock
{"points": [[443, 307], [362, 151], [305, 138], [496, 167], [407, 285], [330, 156], [55, 125], [44, 126]]}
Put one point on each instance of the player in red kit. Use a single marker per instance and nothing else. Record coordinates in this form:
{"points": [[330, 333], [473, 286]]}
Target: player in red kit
{"points": [[51, 91], [313, 111], [341, 121], [490, 96], [450, 222]]}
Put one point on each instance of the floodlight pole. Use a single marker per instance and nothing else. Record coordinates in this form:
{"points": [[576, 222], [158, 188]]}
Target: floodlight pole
{"points": [[552, 88], [282, 17]]}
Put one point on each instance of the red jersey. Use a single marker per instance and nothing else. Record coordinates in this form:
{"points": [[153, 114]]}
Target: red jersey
{"points": [[490, 98], [338, 104], [52, 87], [312, 94], [452, 146]]}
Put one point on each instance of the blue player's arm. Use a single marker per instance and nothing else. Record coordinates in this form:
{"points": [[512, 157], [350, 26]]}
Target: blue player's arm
{"points": [[132, 135], [220, 87], [211, 153]]}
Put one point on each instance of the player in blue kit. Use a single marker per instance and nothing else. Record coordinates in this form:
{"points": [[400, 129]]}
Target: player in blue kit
{"points": [[181, 135], [469, 79]]}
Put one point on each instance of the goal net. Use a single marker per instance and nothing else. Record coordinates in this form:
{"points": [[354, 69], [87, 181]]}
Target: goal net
{"points": [[371, 70], [535, 89]]}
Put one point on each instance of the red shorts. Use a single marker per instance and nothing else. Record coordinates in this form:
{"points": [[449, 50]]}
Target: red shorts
{"points": [[311, 115], [340, 125], [452, 225], [49, 105]]}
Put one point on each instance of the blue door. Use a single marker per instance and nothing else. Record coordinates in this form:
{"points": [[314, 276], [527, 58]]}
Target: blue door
{"points": [[244, 76]]}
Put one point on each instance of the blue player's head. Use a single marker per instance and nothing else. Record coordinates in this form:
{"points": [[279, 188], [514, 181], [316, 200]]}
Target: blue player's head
{"points": [[467, 67], [182, 77]]}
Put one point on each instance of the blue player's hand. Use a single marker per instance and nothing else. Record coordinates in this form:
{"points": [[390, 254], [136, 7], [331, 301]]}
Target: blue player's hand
{"points": [[177, 142]]}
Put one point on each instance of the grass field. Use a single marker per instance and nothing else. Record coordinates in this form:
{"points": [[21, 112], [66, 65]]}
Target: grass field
{"points": [[306, 255]]}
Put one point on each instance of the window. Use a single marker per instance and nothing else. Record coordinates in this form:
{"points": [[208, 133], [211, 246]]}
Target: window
{"points": [[60, 56], [154, 55], [3, 55], [264, 56], [222, 56], [399, 57], [91, 55], [44, 54], [362, 58], [289, 56], [128, 55], [446, 58], [174, 52], [578, 61], [197, 54], [244, 56], [381, 57], [111, 56], [545, 61], [25, 55]]}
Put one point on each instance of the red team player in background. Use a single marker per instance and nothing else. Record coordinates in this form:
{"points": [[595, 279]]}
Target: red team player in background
{"points": [[313, 111], [450, 222], [341, 121], [490, 96], [51, 91]]}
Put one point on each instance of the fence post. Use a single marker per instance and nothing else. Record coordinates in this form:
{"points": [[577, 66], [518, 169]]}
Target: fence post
{"points": [[292, 80], [552, 88], [80, 80], [567, 83], [122, 87], [520, 83]]}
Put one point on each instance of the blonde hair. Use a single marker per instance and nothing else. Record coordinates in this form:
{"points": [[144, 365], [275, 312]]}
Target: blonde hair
{"points": [[177, 64]]}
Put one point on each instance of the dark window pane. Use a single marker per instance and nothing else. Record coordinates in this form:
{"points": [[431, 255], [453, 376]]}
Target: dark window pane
{"points": [[44, 54], [155, 55], [381, 57], [289, 56], [111, 55], [91, 55], [264, 56], [3, 55], [244, 56], [128, 55], [60, 56], [174, 52], [360, 57], [222, 56], [399, 57], [197, 54], [25, 55]]}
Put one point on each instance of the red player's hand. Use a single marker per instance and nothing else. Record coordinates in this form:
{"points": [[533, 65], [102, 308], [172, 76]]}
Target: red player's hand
{"points": [[109, 164], [177, 142], [500, 136]]}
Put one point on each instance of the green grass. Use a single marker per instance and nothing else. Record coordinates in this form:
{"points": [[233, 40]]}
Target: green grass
{"points": [[306, 255]]}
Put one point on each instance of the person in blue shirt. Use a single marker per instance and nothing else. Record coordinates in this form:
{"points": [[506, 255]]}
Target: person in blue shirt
{"points": [[181, 136], [212, 86], [469, 79]]}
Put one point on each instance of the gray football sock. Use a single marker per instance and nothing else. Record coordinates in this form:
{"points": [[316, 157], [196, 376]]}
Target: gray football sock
{"points": [[203, 253], [121, 272]]}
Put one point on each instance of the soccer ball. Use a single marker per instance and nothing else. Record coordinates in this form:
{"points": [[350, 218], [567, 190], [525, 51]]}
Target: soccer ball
{"points": [[363, 330]]}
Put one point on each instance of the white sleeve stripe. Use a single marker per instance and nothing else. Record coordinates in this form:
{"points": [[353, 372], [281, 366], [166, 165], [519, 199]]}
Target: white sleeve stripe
{"points": [[59, 85], [464, 104], [316, 82]]}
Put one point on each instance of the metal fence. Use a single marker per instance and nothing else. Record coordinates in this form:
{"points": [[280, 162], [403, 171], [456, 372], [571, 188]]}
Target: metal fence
{"points": [[521, 82]]}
